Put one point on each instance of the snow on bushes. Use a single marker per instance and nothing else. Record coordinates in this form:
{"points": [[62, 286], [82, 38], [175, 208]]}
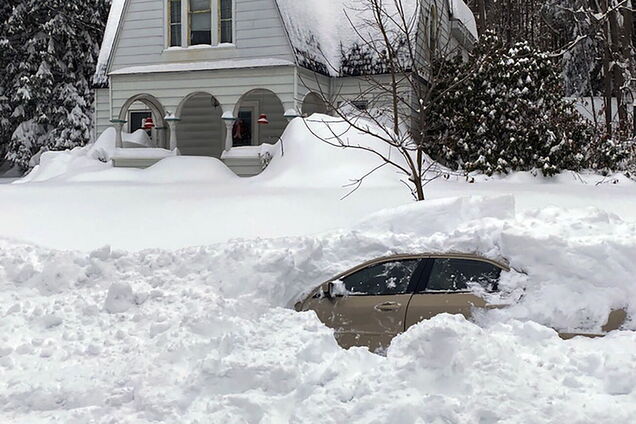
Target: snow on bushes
{"points": [[202, 334], [504, 110]]}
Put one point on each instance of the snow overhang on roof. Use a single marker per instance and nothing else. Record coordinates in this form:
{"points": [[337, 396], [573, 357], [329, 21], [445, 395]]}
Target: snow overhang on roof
{"points": [[100, 79], [462, 13], [331, 36], [203, 66]]}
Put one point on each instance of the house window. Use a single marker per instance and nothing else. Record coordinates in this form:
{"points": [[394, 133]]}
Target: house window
{"points": [[136, 119], [361, 105], [175, 23], [200, 22], [225, 21]]}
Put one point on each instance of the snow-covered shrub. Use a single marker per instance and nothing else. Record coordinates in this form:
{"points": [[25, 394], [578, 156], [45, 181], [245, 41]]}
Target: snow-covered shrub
{"points": [[607, 154], [504, 110]]}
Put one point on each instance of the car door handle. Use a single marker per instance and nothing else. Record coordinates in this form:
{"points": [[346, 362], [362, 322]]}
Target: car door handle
{"points": [[387, 306]]}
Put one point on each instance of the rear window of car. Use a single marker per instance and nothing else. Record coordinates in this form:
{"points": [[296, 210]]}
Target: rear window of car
{"points": [[451, 274], [388, 278]]}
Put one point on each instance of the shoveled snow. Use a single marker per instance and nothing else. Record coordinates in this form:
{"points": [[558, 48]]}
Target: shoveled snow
{"points": [[204, 334]]}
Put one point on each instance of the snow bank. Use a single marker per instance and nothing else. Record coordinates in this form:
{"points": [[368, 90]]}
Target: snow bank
{"points": [[175, 169], [65, 165], [309, 159], [201, 334]]}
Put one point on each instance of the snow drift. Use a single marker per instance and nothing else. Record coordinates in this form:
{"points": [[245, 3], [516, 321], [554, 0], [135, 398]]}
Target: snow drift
{"points": [[203, 335]]}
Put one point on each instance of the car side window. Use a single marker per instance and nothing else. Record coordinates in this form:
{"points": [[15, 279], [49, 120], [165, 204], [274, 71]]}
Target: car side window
{"points": [[388, 278], [458, 274]]}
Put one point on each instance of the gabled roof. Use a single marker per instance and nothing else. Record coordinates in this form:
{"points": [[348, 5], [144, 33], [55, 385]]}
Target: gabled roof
{"points": [[332, 36], [326, 35], [112, 26]]}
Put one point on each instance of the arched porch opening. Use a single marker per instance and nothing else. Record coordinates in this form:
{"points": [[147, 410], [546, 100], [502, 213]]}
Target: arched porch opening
{"points": [[137, 109], [200, 131], [313, 103], [246, 130]]}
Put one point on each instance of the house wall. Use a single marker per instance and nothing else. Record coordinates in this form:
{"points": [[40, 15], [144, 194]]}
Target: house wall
{"points": [[446, 45], [259, 33], [101, 114], [171, 88], [201, 130], [270, 105]]}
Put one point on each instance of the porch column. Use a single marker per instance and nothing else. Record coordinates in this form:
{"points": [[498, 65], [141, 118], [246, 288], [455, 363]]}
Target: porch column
{"points": [[229, 121], [160, 133], [119, 127], [172, 124]]}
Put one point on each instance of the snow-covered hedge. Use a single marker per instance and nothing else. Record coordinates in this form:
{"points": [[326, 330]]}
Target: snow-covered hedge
{"points": [[504, 110]]}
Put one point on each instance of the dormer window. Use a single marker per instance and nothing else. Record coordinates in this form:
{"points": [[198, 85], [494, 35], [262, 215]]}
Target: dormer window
{"points": [[209, 22]]}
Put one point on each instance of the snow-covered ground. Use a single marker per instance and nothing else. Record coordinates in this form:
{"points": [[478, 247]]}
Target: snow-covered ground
{"points": [[197, 327]]}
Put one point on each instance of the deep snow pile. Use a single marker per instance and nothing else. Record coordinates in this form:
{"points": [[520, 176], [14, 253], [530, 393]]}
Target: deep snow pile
{"points": [[203, 335], [302, 158]]}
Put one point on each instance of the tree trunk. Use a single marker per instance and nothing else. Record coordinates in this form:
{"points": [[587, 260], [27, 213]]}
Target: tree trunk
{"points": [[617, 70]]}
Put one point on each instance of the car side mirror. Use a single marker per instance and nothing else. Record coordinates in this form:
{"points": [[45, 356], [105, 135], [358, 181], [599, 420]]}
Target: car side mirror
{"points": [[328, 290]]}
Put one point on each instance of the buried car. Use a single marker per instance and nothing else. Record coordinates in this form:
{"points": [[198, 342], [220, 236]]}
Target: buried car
{"points": [[372, 303]]}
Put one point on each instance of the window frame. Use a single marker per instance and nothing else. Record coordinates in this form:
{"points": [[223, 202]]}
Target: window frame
{"points": [[191, 13], [186, 26], [220, 21], [170, 24], [411, 287]]}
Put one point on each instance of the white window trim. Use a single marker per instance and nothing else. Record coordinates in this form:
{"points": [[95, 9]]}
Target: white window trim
{"points": [[185, 27]]}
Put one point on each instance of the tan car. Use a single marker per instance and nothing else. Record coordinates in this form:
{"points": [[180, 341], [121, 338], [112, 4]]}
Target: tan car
{"points": [[372, 303]]}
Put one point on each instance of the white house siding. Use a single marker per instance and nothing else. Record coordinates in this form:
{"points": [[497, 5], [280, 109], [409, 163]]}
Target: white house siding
{"points": [[259, 33], [200, 132], [171, 88], [312, 82], [102, 116]]}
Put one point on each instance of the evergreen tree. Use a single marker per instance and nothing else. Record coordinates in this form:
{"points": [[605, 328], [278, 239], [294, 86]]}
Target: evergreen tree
{"points": [[509, 114], [50, 60]]}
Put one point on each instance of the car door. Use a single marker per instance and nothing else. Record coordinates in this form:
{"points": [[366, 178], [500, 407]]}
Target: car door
{"points": [[445, 287], [371, 309]]}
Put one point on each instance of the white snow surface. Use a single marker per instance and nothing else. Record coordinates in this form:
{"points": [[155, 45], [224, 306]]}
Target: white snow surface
{"points": [[205, 335], [461, 11], [109, 315]]}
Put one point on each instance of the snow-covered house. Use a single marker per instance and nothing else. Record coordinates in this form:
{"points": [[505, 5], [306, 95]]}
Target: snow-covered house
{"points": [[205, 71]]}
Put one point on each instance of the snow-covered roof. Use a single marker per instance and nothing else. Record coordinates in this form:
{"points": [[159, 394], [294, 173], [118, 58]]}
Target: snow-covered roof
{"points": [[326, 35], [461, 12], [114, 18], [203, 66]]}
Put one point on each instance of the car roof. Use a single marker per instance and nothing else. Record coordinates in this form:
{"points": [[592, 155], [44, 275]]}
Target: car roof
{"points": [[406, 256]]}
